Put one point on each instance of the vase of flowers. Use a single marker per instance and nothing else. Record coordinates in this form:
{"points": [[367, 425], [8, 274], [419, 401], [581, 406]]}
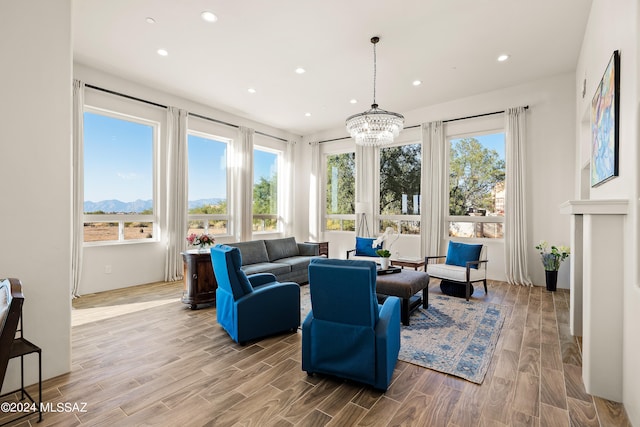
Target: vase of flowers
{"points": [[552, 256], [202, 241]]}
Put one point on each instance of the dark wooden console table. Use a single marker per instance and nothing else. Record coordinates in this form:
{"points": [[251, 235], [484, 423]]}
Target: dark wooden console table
{"points": [[199, 281]]}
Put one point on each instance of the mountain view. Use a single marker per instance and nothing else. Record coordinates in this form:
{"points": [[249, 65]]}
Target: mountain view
{"points": [[137, 206]]}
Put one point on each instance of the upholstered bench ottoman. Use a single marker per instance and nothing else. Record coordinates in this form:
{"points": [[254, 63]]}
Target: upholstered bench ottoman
{"points": [[405, 285]]}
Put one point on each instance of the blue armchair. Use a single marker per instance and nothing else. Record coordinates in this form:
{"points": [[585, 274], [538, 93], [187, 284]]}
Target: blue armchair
{"points": [[347, 333], [250, 307]]}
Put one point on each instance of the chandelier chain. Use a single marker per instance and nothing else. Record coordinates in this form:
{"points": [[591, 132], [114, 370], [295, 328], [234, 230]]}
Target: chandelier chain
{"points": [[374, 73]]}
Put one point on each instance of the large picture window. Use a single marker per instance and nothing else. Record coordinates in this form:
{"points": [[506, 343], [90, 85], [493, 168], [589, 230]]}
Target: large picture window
{"points": [[207, 182], [400, 172], [477, 186], [265, 190], [118, 177], [340, 184]]}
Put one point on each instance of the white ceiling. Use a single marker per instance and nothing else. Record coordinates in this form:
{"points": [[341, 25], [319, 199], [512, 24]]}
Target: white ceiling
{"points": [[451, 45]]}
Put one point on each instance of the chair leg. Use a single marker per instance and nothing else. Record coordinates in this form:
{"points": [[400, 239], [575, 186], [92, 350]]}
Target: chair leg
{"points": [[468, 292], [485, 287]]}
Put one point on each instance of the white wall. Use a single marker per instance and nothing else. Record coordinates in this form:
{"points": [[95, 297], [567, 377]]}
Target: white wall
{"points": [[615, 26], [138, 263], [35, 176], [550, 163]]}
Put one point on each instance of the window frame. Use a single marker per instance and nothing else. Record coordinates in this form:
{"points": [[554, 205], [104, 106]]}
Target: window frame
{"points": [[323, 183], [122, 219], [395, 218], [205, 218], [469, 129]]}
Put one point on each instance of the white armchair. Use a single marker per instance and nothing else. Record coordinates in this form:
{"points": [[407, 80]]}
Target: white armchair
{"points": [[464, 263]]}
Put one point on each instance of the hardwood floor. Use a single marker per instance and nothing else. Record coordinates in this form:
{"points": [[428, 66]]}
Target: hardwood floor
{"points": [[142, 357]]}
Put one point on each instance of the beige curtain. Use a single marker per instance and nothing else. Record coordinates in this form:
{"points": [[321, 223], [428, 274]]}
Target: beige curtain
{"points": [[433, 203], [78, 187], [315, 203], [177, 193], [242, 152], [515, 221]]}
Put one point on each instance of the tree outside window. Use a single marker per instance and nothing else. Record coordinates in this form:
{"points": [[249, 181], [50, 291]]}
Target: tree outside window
{"points": [[477, 186], [400, 172], [265, 191], [340, 192]]}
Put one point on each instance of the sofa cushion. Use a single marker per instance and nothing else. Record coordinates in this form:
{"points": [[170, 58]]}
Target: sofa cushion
{"points": [[461, 253], [454, 272], [364, 246], [296, 262], [281, 248], [266, 267], [252, 252]]}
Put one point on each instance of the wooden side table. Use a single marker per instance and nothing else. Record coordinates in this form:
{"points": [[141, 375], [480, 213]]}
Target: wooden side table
{"points": [[323, 248], [408, 262], [199, 281]]}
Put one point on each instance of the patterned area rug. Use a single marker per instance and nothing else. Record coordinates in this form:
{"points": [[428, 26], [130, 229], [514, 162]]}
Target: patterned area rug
{"points": [[452, 336]]}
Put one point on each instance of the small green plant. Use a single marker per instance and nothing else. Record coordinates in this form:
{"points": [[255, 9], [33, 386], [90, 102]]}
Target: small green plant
{"points": [[383, 253]]}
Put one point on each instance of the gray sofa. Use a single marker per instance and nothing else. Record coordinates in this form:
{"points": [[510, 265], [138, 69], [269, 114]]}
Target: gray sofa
{"points": [[285, 258]]}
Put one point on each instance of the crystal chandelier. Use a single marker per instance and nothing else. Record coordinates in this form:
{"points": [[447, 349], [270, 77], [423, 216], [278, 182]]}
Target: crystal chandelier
{"points": [[375, 126]]}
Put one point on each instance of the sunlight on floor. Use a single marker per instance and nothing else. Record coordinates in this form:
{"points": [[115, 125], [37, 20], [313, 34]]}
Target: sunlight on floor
{"points": [[80, 316]]}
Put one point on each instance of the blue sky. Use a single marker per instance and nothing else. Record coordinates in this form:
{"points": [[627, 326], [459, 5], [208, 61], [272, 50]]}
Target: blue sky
{"points": [[494, 141], [118, 162]]}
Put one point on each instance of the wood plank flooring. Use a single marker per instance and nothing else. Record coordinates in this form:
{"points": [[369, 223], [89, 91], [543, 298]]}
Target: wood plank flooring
{"points": [[140, 357]]}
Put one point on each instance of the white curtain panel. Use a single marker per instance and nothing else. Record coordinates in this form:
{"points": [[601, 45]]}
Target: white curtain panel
{"points": [[242, 154], [288, 199], [177, 193], [78, 186], [365, 163], [314, 193], [515, 222], [434, 192]]}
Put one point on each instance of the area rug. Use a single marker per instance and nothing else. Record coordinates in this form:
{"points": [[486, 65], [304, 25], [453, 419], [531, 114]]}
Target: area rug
{"points": [[452, 335]]}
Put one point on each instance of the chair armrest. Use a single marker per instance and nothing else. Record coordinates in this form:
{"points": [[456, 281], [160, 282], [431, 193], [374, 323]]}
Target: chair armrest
{"points": [[350, 251], [470, 263], [261, 279], [309, 249], [429, 258]]}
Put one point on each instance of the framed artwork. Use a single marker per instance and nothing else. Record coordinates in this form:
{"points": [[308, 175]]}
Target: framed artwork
{"points": [[605, 118]]}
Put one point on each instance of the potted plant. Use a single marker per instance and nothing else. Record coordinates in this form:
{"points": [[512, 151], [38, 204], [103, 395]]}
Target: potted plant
{"points": [[552, 256], [385, 258]]}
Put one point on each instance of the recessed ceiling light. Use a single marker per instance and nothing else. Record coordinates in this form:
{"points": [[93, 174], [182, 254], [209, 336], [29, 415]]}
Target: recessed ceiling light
{"points": [[150, 20], [417, 82], [307, 114], [163, 52], [503, 57], [354, 101], [251, 90], [209, 16], [300, 70]]}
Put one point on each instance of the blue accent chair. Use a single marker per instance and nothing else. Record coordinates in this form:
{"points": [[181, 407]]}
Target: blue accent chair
{"points": [[347, 333], [251, 307]]}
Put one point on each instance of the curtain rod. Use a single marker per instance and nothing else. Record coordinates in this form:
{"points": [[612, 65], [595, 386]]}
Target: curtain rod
{"points": [[113, 92], [526, 107]]}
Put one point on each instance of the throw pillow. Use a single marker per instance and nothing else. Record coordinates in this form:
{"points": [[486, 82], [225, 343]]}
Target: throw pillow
{"points": [[363, 246], [460, 253]]}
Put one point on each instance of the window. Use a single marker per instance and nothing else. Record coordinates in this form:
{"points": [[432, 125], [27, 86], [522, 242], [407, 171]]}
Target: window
{"points": [[265, 190], [477, 186], [400, 172], [118, 177], [207, 178], [340, 188]]}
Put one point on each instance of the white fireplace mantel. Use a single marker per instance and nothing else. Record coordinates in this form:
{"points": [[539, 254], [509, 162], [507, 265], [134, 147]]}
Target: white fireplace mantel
{"points": [[596, 299], [595, 207]]}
